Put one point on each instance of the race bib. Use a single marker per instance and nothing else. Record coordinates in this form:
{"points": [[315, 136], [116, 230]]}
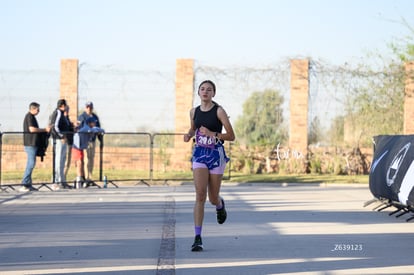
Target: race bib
{"points": [[205, 141]]}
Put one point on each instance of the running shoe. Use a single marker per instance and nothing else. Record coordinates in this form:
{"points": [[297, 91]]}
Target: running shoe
{"points": [[31, 188], [221, 213], [27, 188], [55, 187], [197, 245], [66, 186], [24, 188]]}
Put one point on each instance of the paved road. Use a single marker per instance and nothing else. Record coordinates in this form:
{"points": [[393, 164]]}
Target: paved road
{"points": [[271, 229]]}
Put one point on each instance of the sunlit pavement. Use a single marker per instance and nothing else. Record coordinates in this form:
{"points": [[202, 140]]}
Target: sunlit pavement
{"points": [[271, 229]]}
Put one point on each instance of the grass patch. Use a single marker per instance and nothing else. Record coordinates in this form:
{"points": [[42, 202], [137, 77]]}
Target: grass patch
{"points": [[44, 175], [308, 178]]}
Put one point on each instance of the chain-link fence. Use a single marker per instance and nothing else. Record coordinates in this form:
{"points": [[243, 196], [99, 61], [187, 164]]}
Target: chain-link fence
{"points": [[134, 100], [129, 100]]}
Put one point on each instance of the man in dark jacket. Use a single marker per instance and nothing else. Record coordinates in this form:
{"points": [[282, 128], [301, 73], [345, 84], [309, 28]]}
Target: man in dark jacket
{"points": [[61, 128]]}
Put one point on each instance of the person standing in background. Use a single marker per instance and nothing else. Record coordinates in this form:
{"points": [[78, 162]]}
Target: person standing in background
{"points": [[61, 127], [31, 131], [90, 150], [81, 140]]}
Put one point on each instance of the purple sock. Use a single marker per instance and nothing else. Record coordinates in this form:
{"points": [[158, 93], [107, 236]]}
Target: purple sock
{"points": [[220, 206], [197, 230]]}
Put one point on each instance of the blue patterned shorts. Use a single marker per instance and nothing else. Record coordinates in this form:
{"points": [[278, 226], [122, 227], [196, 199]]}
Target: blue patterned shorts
{"points": [[211, 157]]}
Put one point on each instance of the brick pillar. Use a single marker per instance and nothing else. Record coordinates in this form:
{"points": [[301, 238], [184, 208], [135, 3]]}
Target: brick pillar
{"points": [[184, 91], [409, 99], [69, 85], [299, 92]]}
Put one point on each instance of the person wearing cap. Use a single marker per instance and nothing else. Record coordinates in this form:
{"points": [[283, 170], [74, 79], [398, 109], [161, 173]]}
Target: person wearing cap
{"points": [[81, 141], [90, 150], [60, 130]]}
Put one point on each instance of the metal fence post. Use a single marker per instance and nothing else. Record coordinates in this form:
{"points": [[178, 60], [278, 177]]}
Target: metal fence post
{"points": [[101, 145], [151, 156]]}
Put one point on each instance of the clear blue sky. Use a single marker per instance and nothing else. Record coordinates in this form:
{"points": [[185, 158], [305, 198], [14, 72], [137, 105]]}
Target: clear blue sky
{"points": [[36, 34]]}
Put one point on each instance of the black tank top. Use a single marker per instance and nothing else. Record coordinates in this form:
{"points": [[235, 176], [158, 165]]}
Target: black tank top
{"points": [[208, 119]]}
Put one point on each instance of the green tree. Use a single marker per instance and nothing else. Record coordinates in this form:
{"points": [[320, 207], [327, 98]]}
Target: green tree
{"points": [[315, 131], [335, 134], [261, 123], [403, 48], [376, 106]]}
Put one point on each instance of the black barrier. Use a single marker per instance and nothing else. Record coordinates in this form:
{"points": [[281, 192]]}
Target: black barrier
{"points": [[138, 157], [166, 162], [126, 157], [391, 178], [16, 138]]}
